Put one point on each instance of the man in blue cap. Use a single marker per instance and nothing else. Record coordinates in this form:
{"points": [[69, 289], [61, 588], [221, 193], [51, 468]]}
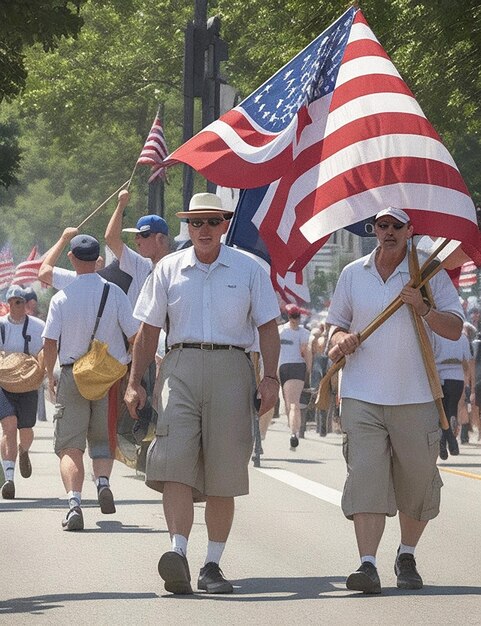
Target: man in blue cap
{"points": [[151, 240]]}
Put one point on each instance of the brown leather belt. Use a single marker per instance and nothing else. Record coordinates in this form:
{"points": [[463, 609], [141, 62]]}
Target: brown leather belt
{"points": [[205, 346]]}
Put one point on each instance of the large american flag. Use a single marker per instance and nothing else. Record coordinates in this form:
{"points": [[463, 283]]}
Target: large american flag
{"points": [[26, 272], [7, 267], [243, 234], [154, 150], [338, 136]]}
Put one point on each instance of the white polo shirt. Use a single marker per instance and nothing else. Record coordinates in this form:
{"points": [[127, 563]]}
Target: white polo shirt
{"points": [[72, 314], [14, 341], [61, 277], [137, 266], [292, 339], [445, 349], [387, 368], [220, 303]]}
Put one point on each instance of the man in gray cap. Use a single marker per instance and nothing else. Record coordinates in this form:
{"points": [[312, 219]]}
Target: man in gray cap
{"points": [[71, 317], [389, 418], [22, 334]]}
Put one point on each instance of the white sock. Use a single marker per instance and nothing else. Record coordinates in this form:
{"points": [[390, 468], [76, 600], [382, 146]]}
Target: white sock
{"points": [[214, 551], [8, 469], [179, 544], [403, 549], [74, 498], [102, 481], [369, 559]]}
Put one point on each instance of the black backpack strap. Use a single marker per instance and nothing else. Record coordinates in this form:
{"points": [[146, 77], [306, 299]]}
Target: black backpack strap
{"points": [[26, 338], [2, 332], [103, 300]]}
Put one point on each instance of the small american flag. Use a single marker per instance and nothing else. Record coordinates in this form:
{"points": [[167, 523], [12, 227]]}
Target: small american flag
{"points": [[7, 267], [154, 150], [26, 272], [337, 135]]}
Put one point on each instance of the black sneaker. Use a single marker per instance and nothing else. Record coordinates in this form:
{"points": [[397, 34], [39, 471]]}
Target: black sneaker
{"points": [[453, 445], [294, 442], [365, 579], [24, 463], [212, 579], [443, 453], [8, 490], [174, 570], [106, 499], [74, 519], [407, 575]]}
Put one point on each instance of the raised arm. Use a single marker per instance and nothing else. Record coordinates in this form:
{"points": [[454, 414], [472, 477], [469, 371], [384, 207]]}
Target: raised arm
{"points": [[114, 227], [45, 273]]}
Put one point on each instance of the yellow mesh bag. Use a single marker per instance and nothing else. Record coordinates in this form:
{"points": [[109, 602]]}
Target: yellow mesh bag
{"points": [[96, 371]]}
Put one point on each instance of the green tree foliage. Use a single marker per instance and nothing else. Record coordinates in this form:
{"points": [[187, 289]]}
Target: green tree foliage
{"points": [[9, 153], [24, 23]]}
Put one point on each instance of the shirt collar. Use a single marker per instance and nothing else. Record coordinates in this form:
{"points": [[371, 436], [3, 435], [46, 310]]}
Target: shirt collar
{"points": [[370, 262], [190, 259]]}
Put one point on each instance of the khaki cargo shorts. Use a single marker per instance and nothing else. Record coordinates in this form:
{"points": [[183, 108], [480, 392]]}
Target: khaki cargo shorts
{"points": [[391, 454], [204, 433], [78, 421]]}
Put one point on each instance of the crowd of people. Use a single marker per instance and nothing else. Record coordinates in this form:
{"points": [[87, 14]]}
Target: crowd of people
{"points": [[204, 322]]}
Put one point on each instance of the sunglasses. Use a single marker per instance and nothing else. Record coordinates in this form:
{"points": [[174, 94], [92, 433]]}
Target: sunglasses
{"points": [[385, 225], [18, 301], [144, 234], [212, 221]]}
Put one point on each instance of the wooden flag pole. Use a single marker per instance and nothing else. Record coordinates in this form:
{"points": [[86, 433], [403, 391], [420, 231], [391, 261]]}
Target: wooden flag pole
{"points": [[429, 269], [126, 184]]}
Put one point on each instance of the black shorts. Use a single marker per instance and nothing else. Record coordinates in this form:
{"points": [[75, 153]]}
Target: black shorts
{"points": [[23, 405], [292, 371]]}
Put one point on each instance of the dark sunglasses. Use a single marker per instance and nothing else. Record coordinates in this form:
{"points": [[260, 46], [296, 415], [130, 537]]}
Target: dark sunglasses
{"points": [[385, 225], [198, 223], [294, 316], [144, 234], [19, 301]]}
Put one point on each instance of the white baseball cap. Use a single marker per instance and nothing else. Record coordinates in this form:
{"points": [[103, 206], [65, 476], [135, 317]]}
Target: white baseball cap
{"points": [[398, 214]]}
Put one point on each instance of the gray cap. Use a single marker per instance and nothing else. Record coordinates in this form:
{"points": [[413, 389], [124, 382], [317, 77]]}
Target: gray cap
{"points": [[85, 248], [15, 291]]}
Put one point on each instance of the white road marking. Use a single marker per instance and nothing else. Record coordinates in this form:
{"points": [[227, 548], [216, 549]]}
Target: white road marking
{"points": [[333, 496]]}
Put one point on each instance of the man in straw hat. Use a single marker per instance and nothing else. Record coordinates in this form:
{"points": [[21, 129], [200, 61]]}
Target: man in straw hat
{"points": [[389, 418], [70, 323], [210, 298], [22, 334]]}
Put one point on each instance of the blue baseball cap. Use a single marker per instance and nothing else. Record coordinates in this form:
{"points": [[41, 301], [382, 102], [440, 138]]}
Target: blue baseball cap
{"points": [[85, 248], [149, 224]]}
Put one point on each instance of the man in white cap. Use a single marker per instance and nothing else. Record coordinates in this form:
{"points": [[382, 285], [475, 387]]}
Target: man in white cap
{"points": [[211, 298], [23, 334], [389, 418]]}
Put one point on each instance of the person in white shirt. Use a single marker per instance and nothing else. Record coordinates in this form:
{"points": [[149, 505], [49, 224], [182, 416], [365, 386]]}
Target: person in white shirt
{"points": [[70, 323], [294, 363], [388, 415], [214, 298], [19, 333]]}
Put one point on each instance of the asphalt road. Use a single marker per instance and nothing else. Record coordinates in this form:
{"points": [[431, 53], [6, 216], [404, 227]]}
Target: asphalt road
{"points": [[288, 556]]}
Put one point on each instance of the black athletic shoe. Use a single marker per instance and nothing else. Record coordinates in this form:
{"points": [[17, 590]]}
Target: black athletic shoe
{"points": [[294, 442], [74, 519], [407, 575], [212, 579], [106, 500], [8, 490], [365, 579], [174, 570]]}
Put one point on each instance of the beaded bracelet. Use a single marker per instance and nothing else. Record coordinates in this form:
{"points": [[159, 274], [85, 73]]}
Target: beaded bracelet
{"points": [[273, 378]]}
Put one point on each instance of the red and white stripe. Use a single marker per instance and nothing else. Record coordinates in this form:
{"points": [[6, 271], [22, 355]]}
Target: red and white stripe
{"points": [[155, 150]]}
